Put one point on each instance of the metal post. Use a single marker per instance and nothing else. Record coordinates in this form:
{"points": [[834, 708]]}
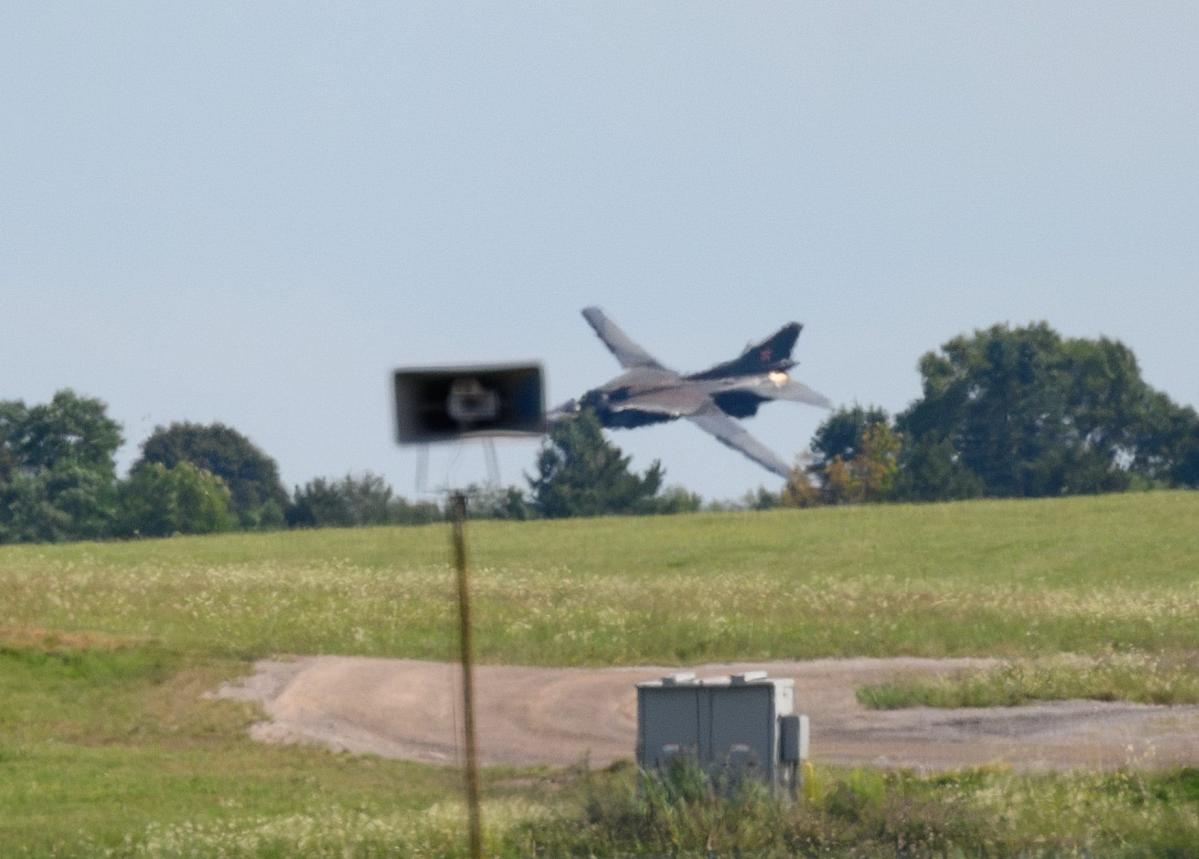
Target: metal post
{"points": [[458, 517]]}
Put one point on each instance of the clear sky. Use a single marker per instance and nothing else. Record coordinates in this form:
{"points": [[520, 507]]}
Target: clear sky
{"points": [[252, 212]]}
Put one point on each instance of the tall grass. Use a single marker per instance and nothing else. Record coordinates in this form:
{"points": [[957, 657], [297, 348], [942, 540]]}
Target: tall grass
{"points": [[843, 813], [980, 812]]}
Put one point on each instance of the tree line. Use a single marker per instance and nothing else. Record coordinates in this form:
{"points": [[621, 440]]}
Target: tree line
{"points": [[1007, 412], [58, 482], [1004, 412]]}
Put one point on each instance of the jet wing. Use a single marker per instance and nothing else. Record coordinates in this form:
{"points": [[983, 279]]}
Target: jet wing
{"points": [[732, 434], [628, 353], [800, 393]]}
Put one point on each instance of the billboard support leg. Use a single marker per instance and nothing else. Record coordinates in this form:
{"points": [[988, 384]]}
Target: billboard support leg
{"points": [[458, 518]]}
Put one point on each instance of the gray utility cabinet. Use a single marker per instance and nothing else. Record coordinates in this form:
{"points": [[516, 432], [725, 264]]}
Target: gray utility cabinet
{"points": [[733, 727]]}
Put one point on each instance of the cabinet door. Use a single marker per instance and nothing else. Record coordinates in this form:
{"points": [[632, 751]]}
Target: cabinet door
{"points": [[740, 731], [669, 721]]}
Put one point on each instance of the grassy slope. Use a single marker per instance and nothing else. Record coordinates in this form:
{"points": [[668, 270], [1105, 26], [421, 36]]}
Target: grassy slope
{"points": [[1000, 578], [106, 649]]}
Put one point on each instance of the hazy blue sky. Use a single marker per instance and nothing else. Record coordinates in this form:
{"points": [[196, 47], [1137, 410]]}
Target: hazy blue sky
{"points": [[251, 212]]}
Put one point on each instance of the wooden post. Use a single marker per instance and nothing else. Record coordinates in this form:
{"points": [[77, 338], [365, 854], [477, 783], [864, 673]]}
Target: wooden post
{"points": [[458, 518]]}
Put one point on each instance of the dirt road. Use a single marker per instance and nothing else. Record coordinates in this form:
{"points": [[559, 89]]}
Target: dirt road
{"points": [[410, 709]]}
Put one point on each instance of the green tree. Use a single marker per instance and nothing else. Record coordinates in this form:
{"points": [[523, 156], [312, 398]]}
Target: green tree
{"points": [[841, 435], [364, 500], [369, 499], [351, 501], [259, 499], [854, 459], [1026, 412], [869, 474], [57, 469], [157, 501], [801, 490], [405, 512], [579, 473], [1168, 443], [677, 499], [932, 470], [498, 502], [319, 503], [759, 499]]}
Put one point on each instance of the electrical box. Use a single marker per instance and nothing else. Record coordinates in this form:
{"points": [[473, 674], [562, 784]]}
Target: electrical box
{"points": [[734, 727]]}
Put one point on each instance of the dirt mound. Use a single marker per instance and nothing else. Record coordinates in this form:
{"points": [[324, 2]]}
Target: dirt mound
{"points": [[411, 709]]}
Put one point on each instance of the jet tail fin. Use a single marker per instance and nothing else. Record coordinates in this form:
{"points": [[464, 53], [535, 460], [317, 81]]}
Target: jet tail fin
{"points": [[761, 357]]}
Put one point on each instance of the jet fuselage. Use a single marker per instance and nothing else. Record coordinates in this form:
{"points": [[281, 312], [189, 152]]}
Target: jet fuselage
{"points": [[614, 403], [649, 393]]}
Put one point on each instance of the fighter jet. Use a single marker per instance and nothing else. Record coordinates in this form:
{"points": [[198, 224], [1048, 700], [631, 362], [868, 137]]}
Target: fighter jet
{"points": [[649, 393]]}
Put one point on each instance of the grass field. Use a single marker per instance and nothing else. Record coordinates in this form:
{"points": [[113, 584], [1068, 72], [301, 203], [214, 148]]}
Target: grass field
{"points": [[106, 649], [1165, 678], [1009, 578]]}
